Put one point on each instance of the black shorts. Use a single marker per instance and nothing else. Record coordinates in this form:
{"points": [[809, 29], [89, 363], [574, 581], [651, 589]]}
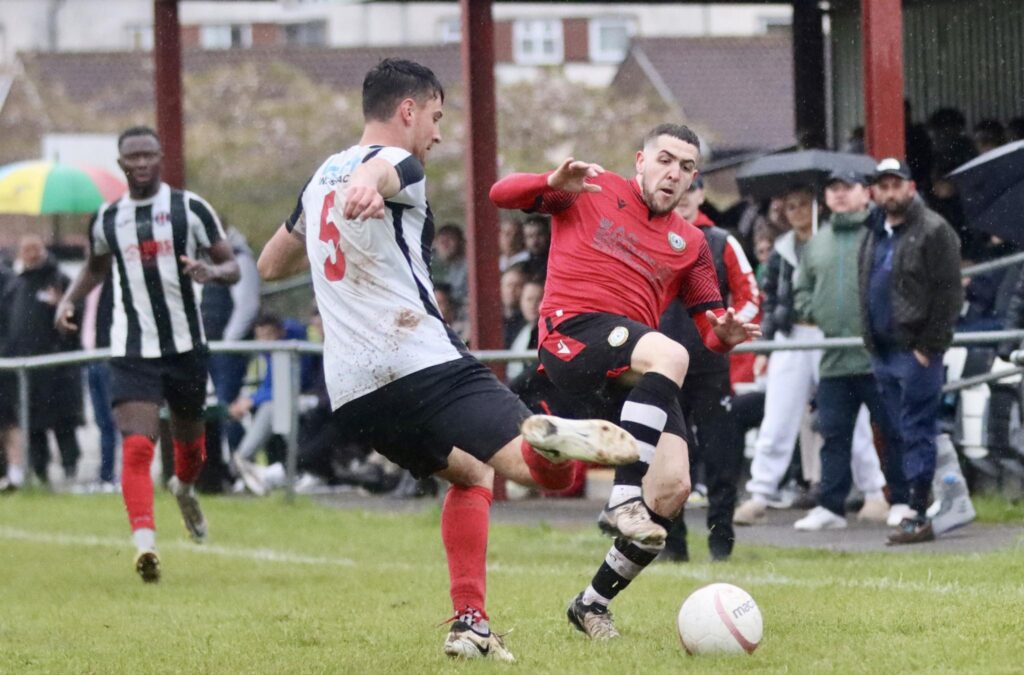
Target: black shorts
{"points": [[416, 420], [584, 355], [178, 379]]}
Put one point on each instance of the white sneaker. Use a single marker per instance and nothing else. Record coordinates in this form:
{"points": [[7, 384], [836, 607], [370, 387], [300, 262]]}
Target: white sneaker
{"points": [[897, 512], [251, 474], [750, 512], [955, 507], [631, 520], [188, 504], [595, 441], [819, 518], [875, 510], [309, 484]]}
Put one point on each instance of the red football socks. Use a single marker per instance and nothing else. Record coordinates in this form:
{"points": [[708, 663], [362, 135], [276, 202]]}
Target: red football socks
{"points": [[136, 481], [548, 474], [189, 457], [465, 518]]}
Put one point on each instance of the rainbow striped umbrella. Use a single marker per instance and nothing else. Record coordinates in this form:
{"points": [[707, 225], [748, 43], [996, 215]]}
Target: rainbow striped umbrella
{"points": [[38, 188]]}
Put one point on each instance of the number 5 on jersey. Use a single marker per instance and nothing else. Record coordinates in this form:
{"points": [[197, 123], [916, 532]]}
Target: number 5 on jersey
{"points": [[334, 264]]}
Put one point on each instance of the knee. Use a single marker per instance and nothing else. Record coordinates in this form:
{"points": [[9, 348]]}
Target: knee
{"points": [[673, 362], [477, 474]]}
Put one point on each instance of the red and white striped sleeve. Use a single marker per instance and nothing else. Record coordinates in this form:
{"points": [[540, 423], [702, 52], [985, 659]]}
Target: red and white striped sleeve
{"points": [[745, 295]]}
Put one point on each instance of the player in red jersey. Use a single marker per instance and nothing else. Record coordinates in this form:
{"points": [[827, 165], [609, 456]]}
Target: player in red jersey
{"points": [[618, 256]]}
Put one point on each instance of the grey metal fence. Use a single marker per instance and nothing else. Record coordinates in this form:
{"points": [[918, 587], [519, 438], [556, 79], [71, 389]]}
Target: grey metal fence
{"points": [[285, 356]]}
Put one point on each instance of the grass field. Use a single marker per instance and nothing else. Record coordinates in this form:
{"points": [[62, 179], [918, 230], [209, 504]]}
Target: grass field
{"points": [[305, 588]]}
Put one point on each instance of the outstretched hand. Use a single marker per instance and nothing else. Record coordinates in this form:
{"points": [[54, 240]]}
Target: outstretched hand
{"points": [[571, 176], [730, 330]]}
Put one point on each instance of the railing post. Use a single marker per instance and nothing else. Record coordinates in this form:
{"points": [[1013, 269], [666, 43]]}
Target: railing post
{"points": [[284, 393], [294, 360], [24, 419]]}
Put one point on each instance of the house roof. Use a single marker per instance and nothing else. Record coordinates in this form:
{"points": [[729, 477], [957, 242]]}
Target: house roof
{"points": [[120, 82], [737, 91]]}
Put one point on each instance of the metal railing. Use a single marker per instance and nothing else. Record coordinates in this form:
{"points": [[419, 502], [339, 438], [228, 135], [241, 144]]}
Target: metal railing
{"points": [[285, 355]]}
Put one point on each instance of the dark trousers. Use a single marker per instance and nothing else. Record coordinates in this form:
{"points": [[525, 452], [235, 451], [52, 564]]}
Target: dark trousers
{"points": [[98, 376], [227, 371], [706, 400], [839, 401], [913, 394], [67, 443]]}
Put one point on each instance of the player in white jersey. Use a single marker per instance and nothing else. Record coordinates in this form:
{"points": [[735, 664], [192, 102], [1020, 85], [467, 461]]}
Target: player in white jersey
{"points": [[152, 237], [397, 374]]}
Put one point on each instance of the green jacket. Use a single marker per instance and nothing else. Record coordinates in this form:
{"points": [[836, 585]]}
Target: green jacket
{"points": [[827, 291]]}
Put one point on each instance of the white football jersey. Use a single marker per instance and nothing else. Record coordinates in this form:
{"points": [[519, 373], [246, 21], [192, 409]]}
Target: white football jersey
{"points": [[372, 278]]}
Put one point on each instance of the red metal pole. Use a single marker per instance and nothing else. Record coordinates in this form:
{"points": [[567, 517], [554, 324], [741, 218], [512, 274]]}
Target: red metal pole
{"points": [[884, 125], [481, 173], [167, 81]]}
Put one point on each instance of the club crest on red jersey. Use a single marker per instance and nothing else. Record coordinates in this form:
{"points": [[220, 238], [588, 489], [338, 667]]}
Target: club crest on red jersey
{"points": [[618, 336], [676, 241]]}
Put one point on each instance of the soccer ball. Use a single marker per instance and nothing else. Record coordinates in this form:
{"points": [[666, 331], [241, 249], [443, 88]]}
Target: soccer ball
{"points": [[720, 619]]}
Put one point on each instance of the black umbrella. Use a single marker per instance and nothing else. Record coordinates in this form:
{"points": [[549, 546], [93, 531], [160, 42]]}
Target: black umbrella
{"points": [[771, 175], [992, 191]]}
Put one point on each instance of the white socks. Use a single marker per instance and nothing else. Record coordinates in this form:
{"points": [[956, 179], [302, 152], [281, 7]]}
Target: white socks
{"points": [[144, 539], [622, 493]]}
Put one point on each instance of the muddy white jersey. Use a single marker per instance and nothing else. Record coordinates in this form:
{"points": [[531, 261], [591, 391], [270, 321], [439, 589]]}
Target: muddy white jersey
{"points": [[371, 278]]}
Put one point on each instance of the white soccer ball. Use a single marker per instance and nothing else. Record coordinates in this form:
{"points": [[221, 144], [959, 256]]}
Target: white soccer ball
{"points": [[720, 619]]}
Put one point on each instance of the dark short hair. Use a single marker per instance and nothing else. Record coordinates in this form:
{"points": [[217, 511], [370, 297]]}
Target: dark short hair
{"points": [[799, 188], [538, 219], [140, 130], [680, 131], [268, 319], [393, 80], [452, 229]]}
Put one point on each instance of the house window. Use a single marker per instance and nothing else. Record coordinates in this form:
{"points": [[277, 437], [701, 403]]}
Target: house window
{"points": [[450, 31], [308, 34], [537, 41], [225, 36], [140, 38], [609, 38]]}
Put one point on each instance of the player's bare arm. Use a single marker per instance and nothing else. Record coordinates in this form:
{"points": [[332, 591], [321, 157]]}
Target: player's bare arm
{"points": [[730, 330], [96, 269], [571, 176], [283, 256], [222, 268], [370, 184]]}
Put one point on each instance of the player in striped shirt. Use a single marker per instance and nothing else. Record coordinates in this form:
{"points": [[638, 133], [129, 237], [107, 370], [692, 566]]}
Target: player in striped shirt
{"points": [[397, 374], [156, 239]]}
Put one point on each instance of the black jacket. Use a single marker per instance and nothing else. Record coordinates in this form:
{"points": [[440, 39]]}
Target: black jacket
{"points": [[27, 309], [677, 324], [926, 292]]}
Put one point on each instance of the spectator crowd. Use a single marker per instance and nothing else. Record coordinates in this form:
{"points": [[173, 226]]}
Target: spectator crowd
{"points": [[804, 283]]}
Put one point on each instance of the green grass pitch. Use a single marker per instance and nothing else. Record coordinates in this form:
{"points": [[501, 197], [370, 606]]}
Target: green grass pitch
{"points": [[306, 588]]}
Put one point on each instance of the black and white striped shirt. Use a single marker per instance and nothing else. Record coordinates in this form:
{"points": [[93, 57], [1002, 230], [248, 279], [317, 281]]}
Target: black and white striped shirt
{"points": [[156, 311]]}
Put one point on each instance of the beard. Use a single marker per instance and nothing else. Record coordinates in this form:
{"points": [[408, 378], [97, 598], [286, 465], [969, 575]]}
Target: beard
{"points": [[653, 207], [897, 207]]}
